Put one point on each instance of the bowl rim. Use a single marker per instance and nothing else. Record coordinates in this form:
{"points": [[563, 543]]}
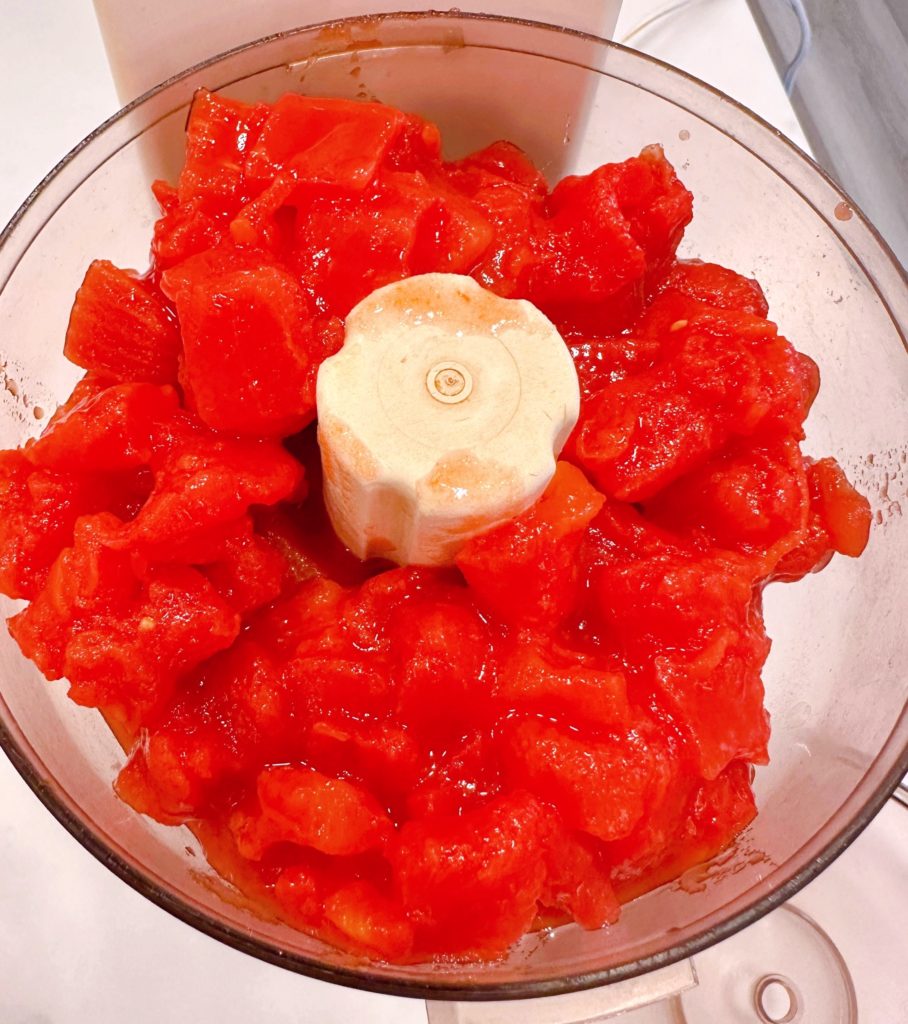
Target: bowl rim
{"points": [[438, 988]]}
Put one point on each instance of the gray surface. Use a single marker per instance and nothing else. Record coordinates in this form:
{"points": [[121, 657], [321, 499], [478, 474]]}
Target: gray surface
{"points": [[851, 96]]}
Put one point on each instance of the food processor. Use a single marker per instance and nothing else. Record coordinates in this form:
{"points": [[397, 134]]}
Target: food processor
{"points": [[834, 689]]}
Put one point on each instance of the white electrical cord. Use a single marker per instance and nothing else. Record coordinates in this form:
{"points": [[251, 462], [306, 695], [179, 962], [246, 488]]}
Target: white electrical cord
{"points": [[797, 6], [791, 72], [656, 16]]}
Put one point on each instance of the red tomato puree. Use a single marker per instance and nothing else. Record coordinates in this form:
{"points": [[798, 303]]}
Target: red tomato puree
{"points": [[416, 762]]}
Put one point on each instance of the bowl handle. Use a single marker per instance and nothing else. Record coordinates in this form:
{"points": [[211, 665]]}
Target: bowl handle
{"points": [[574, 1008]]}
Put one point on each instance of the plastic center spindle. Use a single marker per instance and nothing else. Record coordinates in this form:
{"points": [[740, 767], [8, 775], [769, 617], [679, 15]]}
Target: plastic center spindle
{"points": [[441, 417]]}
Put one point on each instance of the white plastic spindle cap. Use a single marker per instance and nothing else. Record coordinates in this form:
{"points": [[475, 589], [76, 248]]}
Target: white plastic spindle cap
{"points": [[440, 417]]}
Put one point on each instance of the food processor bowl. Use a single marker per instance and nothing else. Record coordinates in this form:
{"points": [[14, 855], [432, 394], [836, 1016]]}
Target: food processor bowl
{"points": [[836, 685]]}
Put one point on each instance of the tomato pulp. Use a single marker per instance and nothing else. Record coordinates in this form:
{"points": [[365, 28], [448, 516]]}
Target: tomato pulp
{"points": [[416, 762]]}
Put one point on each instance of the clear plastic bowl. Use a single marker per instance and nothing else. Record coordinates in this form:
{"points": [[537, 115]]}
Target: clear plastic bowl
{"points": [[836, 681]]}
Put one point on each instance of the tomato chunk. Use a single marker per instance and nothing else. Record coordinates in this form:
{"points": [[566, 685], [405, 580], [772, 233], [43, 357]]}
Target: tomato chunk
{"points": [[121, 641], [38, 511], [298, 805], [597, 785], [324, 141], [608, 237], [838, 520], [108, 431], [717, 286], [690, 622], [203, 480], [439, 694], [717, 381], [578, 879], [219, 133], [473, 881], [370, 920], [250, 349], [234, 714], [526, 570], [704, 822], [247, 572], [562, 683], [120, 326], [752, 497], [464, 778]]}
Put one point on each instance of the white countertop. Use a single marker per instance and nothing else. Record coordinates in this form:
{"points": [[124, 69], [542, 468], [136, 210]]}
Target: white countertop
{"points": [[77, 946]]}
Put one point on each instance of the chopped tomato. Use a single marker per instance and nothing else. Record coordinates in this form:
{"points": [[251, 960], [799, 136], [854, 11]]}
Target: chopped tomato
{"points": [[121, 326], [412, 762], [526, 570]]}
